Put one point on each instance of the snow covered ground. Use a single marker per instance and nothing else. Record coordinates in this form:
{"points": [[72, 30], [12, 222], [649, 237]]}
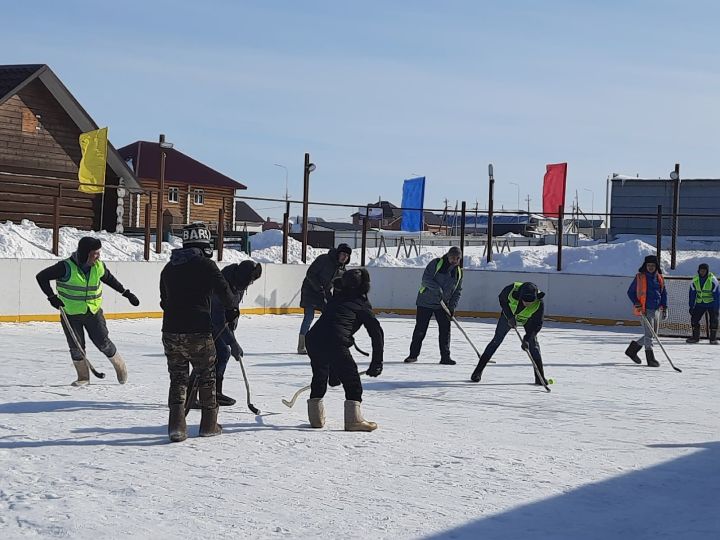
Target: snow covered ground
{"points": [[26, 240], [615, 451]]}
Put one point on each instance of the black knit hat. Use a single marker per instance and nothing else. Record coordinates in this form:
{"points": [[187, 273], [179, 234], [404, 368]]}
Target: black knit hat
{"points": [[528, 292], [344, 248], [85, 246], [704, 266], [197, 235], [652, 259], [357, 280]]}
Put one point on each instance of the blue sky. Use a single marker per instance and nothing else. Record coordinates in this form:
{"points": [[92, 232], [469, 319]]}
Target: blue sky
{"points": [[379, 91]]}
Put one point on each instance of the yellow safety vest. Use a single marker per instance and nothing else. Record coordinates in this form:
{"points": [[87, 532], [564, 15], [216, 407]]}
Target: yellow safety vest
{"points": [[81, 292], [703, 295], [527, 312], [438, 266]]}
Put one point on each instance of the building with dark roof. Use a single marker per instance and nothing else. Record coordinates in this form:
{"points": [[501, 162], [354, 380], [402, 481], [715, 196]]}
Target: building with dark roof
{"points": [[40, 125], [193, 190], [391, 218]]}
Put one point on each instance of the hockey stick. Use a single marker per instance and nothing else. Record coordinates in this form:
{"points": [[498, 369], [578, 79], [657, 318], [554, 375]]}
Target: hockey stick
{"points": [[75, 339], [462, 330], [290, 403], [537, 370], [252, 407], [647, 324]]}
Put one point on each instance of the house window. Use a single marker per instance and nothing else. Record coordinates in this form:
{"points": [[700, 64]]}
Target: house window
{"points": [[199, 196], [173, 194]]}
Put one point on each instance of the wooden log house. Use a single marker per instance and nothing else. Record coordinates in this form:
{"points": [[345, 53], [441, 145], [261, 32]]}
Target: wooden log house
{"points": [[40, 122], [193, 191]]}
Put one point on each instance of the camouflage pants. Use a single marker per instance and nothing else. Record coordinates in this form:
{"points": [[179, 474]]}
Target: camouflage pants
{"points": [[183, 350]]}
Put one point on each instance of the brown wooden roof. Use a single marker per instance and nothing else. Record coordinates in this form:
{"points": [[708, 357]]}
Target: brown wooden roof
{"points": [[144, 158], [13, 78]]}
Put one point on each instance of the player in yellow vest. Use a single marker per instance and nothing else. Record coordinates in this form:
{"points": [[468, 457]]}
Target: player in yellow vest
{"points": [[522, 305], [79, 280], [704, 298]]}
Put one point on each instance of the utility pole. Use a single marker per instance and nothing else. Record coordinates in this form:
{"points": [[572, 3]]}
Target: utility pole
{"points": [[528, 199]]}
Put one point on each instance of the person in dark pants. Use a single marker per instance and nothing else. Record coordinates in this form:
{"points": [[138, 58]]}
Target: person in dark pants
{"points": [[328, 345], [704, 298], [79, 280], [187, 284], [521, 304], [317, 286], [239, 278], [441, 281]]}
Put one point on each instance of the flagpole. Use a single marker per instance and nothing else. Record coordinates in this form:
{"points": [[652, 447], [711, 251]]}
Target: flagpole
{"points": [[102, 198]]}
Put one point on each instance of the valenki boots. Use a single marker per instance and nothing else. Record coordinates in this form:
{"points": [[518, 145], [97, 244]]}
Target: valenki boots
{"points": [[713, 336], [650, 357], [354, 420], [316, 412], [208, 423], [120, 369], [83, 373], [177, 429], [633, 350]]}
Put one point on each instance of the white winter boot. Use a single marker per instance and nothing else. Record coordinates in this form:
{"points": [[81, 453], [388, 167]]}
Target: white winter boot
{"points": [[354, 420], [83, 373], [120, 369], [316, 412]]}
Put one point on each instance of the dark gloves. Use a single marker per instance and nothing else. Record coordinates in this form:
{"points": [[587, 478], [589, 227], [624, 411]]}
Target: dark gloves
{"points": [[55, 301], [376, 367], [638, 306], [525, 346], [452, 312], [664, 313], [131, 297], [231, 315], [236, 351], [691, 311], [512, 322]]}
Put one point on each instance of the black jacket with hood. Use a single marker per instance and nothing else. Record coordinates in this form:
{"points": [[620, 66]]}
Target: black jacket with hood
{"points": [[187, 284], [317, 286]]}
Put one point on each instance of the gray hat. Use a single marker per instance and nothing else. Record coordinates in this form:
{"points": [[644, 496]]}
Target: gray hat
{"points": [[454, 252]]}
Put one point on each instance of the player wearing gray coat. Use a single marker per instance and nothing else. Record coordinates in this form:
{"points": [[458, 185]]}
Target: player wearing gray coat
{"points": [[442, 280]]}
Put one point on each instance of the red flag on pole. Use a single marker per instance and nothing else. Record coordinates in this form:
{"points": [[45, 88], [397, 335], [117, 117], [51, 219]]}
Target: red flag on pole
{"points": [[554, 188]]}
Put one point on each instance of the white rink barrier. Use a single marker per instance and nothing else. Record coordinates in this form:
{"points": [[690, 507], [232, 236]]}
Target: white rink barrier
{"points": [[570, 297]]}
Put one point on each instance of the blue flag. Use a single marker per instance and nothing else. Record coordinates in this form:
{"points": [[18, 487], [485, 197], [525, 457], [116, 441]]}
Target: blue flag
{"points": [[413, 197]]}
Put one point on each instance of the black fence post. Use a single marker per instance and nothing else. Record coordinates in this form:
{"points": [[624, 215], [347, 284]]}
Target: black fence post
{"points": [[658, 232], [561, 219]]}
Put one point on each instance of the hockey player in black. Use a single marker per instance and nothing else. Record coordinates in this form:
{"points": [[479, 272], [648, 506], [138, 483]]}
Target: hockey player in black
{"points": [[522, 305], [187, 284], [239, 277], [317, 286], [328, 344]]}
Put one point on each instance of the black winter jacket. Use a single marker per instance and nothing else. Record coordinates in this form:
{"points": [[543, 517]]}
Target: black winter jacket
{"points": [[343, 316], [533, 324], [187, 284], [317, 286]]}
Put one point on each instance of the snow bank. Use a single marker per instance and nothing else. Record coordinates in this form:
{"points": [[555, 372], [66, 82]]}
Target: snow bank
{"points": [[26, 240]]}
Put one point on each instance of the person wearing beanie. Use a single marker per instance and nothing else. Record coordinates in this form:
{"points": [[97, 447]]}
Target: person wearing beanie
{"points": [[187, 284], [239, 278], [318, 285], [441, 281], [649, 297], [79, 280], [328, 345], [521, 304], [704, 298]]}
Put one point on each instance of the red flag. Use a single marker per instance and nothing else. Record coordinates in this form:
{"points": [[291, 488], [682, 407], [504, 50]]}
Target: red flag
{"points": [[554, 188]]}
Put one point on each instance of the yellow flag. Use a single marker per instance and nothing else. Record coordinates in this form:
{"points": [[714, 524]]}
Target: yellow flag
{"points": [[91, 173]]}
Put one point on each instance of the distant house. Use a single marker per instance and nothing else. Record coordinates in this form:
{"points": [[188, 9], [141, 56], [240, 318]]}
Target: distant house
{"points": [[247, 218], [193, 191], [40, 123], [390, 218]]}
